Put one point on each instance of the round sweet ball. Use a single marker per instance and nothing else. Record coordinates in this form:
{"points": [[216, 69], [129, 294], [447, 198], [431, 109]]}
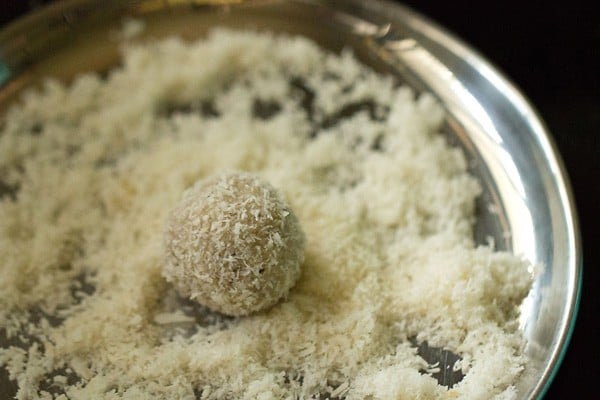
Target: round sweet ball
{"points": [[233, 244]]}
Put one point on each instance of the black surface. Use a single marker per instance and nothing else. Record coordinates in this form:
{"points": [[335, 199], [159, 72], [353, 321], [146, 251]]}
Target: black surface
{"points": [[551, 50]]}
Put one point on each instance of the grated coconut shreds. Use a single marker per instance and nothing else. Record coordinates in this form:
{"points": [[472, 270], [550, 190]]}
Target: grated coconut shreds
{"points": [[91, 170]]}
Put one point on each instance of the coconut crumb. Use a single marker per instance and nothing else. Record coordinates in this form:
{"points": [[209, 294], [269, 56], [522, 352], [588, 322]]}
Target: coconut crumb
{"points": [[90, 171], [132, 28]]}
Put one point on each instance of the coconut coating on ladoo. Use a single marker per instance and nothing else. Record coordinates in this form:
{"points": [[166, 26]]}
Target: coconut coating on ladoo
{"points": [[233, 244]]}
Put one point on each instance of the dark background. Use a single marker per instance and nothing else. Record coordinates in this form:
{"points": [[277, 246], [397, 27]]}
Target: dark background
{"points": [[551, 51]]}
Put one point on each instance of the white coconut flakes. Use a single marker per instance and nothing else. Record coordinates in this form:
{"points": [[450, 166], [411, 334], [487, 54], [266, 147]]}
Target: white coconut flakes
{"points": [[386, 205]]}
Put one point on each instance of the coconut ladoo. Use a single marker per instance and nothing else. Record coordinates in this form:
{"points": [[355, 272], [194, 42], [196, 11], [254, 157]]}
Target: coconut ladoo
{"points": [[233, 244]]}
